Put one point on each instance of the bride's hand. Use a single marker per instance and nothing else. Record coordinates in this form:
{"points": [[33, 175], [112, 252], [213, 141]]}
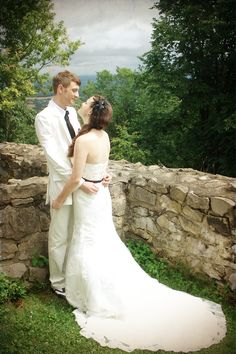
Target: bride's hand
{"points": [[56, 204], [106, 180]]}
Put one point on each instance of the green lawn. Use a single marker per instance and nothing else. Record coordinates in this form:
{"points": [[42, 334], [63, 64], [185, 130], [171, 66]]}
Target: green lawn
{"points": [[42, 323]]}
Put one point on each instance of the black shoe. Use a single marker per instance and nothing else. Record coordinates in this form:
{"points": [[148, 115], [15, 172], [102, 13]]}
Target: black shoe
{"points": [[60, 292]]}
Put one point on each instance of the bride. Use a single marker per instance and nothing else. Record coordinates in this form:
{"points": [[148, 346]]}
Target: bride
{"points": [[117, 303]]}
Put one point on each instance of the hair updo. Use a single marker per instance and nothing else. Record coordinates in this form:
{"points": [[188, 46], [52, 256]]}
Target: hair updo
{"points": [[99, 118]]}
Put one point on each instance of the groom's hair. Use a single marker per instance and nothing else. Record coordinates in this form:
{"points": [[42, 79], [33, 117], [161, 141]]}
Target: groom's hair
{"points": [[64, 78]]}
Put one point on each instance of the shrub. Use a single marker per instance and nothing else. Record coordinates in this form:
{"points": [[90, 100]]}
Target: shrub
{"points": [[11, 289], [39, 261]]}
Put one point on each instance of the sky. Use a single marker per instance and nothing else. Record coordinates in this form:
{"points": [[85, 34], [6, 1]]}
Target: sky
{"points": [[114, 32]]}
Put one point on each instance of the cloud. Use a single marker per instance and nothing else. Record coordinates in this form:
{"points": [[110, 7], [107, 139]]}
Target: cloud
{"points": [[114, 32]]}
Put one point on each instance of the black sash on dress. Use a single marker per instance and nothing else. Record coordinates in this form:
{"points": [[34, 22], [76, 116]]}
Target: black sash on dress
{"points": [[88, 180]]}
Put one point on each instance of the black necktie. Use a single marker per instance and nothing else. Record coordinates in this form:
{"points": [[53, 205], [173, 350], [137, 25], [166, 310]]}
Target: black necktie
{"points": [[69, 126]]}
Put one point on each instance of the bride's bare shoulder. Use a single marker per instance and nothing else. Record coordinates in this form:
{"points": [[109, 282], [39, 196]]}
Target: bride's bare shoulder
{"points": [[83, 138], [91, 137]]}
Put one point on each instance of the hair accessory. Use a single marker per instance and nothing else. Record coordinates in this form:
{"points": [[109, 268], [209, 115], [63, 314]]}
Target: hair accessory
{"points": [[100, 104]]}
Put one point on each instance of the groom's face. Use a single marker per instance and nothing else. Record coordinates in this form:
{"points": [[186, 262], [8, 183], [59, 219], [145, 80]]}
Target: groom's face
{"points": [[70, 93]]}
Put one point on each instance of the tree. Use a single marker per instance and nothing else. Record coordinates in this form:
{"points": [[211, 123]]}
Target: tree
{"points": [[121, 90], [193, 59], [29, 41]]}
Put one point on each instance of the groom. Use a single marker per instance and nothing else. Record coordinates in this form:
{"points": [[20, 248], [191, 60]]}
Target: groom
{"points": [[56, 126]]}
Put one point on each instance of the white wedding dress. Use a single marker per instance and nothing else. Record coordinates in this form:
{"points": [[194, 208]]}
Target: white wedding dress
{"points": [[117, 303]]}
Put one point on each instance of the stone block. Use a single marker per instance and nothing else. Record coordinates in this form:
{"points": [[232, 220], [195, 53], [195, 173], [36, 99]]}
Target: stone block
{"points": [[208, 269], [196, 202], [44, 221], [162, 221], [21, 161], [8, 249], [234, 249], [232, 281], [150, 226], [221, 206], [14, 270], [142, 195], [189, 226], [118, 221], [138, 180], [35, 245], [164, 203], [19, 222], [140, 211], [145, 224], [22, 189], [139, 223], [22, 201], [38, 274], [219, 225], [177, 237], [116, 189], [119, 205], [192, 214], [178, 192], [154, 186]]}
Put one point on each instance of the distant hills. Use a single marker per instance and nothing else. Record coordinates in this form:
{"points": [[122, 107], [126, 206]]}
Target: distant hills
{"points": [[85, 78]]}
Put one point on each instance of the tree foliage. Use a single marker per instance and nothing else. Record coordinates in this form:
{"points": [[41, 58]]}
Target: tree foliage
{"points": [[193, 57], [29, 41], [179, 108], [121, 90]]}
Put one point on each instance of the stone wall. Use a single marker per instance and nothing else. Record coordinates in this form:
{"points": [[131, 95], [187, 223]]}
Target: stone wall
{"points": [[187, 216], [24, 223]]}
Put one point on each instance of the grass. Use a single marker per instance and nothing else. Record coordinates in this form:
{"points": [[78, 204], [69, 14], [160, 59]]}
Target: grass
{"points": [[42, 323]]}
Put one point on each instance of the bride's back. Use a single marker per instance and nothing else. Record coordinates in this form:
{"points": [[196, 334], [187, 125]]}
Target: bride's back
{"points": [[98, 146]]}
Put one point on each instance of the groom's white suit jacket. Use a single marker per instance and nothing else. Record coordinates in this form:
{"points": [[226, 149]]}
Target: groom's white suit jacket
{"points": [[54, 137]]}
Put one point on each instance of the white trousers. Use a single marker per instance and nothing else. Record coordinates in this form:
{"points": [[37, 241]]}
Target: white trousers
{"points": [[60, 233]]}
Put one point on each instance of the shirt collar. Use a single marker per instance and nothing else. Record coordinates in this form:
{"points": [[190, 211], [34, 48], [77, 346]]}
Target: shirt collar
{"points": [[59, 109]]}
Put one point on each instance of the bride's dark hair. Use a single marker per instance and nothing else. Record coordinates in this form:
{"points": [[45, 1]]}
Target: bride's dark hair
{"points": [[99, 118]]}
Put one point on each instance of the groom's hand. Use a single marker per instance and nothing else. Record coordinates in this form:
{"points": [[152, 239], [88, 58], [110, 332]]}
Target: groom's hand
{"points": [[89, 187]]}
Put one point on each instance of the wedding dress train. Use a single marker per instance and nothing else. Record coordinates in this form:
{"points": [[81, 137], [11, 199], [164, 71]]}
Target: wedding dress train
{"points": [[117, 303]]}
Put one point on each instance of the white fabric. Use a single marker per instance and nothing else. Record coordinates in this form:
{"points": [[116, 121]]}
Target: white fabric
{"points": [[60, 232], [118, 304], [54, 137]]}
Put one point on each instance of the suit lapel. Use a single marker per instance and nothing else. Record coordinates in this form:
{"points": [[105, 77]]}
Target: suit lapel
{"points": [[61, 125], [64, 127]]}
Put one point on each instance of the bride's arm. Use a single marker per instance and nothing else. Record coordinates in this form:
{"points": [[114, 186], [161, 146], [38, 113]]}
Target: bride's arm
{"points": [[87, 187], [107, 177], [80, 157]]}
